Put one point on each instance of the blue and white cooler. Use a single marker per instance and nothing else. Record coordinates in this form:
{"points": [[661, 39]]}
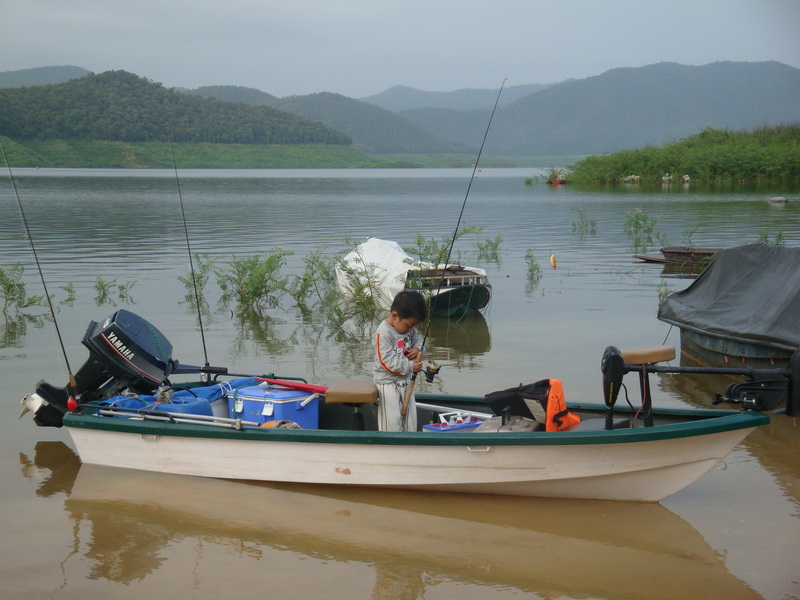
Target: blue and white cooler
{"points": [[264, 403]]}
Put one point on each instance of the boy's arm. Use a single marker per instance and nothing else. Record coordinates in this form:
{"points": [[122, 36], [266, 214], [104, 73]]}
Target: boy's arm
{"points": [[393, 362]]}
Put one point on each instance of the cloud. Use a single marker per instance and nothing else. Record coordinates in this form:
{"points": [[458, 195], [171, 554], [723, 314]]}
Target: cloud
{"points": [[361, 47]]}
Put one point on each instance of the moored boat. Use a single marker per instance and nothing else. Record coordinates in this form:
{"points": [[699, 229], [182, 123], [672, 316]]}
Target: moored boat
{"points": [[383, 269], [286, 430], [680, 260], [742, 309]]}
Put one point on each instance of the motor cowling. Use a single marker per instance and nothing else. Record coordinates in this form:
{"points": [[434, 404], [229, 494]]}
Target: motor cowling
{"points": [[125, 352]]}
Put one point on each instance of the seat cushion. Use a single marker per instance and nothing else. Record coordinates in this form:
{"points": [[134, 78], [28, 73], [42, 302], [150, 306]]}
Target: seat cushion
{"points": [[352, 392]]}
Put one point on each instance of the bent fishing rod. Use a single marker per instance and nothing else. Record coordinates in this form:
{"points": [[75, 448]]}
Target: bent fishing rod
{"points": [[73, 384], [433, 368]]}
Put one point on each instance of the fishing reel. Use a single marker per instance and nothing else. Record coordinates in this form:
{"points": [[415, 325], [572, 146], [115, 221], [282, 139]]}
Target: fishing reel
{"points": [[431, 371]]}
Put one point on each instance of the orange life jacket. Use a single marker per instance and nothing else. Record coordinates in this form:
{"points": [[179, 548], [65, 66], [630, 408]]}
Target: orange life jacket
{"points": [[542, 401], [558, 417]]}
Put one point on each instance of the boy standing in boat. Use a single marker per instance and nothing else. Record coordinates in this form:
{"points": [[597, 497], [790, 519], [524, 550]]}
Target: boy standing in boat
{"points": [[397, 356]]}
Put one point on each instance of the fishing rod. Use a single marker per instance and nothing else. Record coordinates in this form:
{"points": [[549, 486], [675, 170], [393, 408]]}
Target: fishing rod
{"points": [[207, 367], [73, 384], [433, 368]]}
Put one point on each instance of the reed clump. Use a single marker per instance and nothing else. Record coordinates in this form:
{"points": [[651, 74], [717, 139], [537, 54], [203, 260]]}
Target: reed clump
{"points": [[766, 154]]}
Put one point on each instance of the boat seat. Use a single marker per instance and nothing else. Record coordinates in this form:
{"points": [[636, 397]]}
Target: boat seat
{"points": [[643, 355], [354, 394]]}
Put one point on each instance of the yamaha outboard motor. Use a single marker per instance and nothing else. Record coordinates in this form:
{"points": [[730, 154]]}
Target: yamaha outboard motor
{"points": [[125, 352]]}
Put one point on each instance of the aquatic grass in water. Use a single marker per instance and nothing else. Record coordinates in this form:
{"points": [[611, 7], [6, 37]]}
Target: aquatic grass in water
{"points": [[489, 250], [197, 280], [13, 291], [640, 226], [584, 224], [254, 281], [105, 289]]}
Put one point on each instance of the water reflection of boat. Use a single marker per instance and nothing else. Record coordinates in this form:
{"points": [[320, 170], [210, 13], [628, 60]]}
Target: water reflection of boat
{"points": [[533, 545], [455, 338], [742, 309]]}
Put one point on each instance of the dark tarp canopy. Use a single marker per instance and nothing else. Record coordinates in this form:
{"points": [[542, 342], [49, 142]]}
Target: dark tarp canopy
{"points": [[749, 294]]}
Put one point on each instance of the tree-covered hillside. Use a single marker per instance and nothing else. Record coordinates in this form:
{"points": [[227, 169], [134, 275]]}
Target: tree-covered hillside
{"points": [[120, 106], [235, 93], [372, 128]]}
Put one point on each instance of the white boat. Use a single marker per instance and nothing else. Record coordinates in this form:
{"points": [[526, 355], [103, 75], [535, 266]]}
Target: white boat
{"points": [[383, 269], [301, 433]]}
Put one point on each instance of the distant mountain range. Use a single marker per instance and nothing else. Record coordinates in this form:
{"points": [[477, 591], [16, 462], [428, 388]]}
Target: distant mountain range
{"points": [[400, 97], [620, 109], [40, 76]]}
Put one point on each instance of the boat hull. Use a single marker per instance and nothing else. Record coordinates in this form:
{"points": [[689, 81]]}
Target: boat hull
{"points": [[716, 351], [462, 300], [640, 464]]}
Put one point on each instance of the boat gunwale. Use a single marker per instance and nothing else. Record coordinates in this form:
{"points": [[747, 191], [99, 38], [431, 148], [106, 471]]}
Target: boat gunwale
{"points": [[707, 421]]}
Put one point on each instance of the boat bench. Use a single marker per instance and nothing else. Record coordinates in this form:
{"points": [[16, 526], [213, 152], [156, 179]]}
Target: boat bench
{"points": [[644, 355], [353, 394], [639, 357]]}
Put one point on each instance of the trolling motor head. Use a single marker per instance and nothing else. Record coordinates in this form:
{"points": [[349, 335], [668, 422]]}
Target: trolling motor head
{"points": [[613, 367]]}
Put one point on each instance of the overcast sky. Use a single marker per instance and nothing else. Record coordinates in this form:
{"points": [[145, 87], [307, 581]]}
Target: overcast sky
{"points": [[362, 47]]}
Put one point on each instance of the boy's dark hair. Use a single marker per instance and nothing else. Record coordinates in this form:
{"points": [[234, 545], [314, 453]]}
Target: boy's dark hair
{"points": [[410, 304]]}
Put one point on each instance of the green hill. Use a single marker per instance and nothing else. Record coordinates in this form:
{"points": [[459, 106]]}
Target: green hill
{"points": [[373, 129], [120, 106]]}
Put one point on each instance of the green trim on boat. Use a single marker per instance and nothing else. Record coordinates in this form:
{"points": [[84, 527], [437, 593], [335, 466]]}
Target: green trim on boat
{"points": [[700, 422]]}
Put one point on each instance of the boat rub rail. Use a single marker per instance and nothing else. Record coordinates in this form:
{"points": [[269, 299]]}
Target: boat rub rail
{"points": [[708, 422]]}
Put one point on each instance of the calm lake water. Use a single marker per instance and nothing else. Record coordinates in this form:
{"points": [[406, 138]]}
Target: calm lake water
{"points": [[72, 531]]}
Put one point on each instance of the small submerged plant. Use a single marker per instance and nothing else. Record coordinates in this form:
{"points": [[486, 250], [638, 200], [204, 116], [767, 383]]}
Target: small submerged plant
{"points": [[763, 237], [534, 269], [641, 227], [12, 289], [664, 290], [490, 249], [254, 281], [105, 289], [584, 224], [196, 280]]}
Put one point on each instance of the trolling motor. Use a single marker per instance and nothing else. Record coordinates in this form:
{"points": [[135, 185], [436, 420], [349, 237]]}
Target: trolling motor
{"points": [[756, 394], [125, 352], [763, 391], [613, 367]]}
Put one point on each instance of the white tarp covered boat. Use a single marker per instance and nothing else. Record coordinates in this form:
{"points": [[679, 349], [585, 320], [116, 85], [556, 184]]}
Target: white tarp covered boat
{"points": [[383, 269]]}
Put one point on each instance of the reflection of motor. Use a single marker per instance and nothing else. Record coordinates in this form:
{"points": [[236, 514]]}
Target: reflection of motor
{"points": [[431, 371]]}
